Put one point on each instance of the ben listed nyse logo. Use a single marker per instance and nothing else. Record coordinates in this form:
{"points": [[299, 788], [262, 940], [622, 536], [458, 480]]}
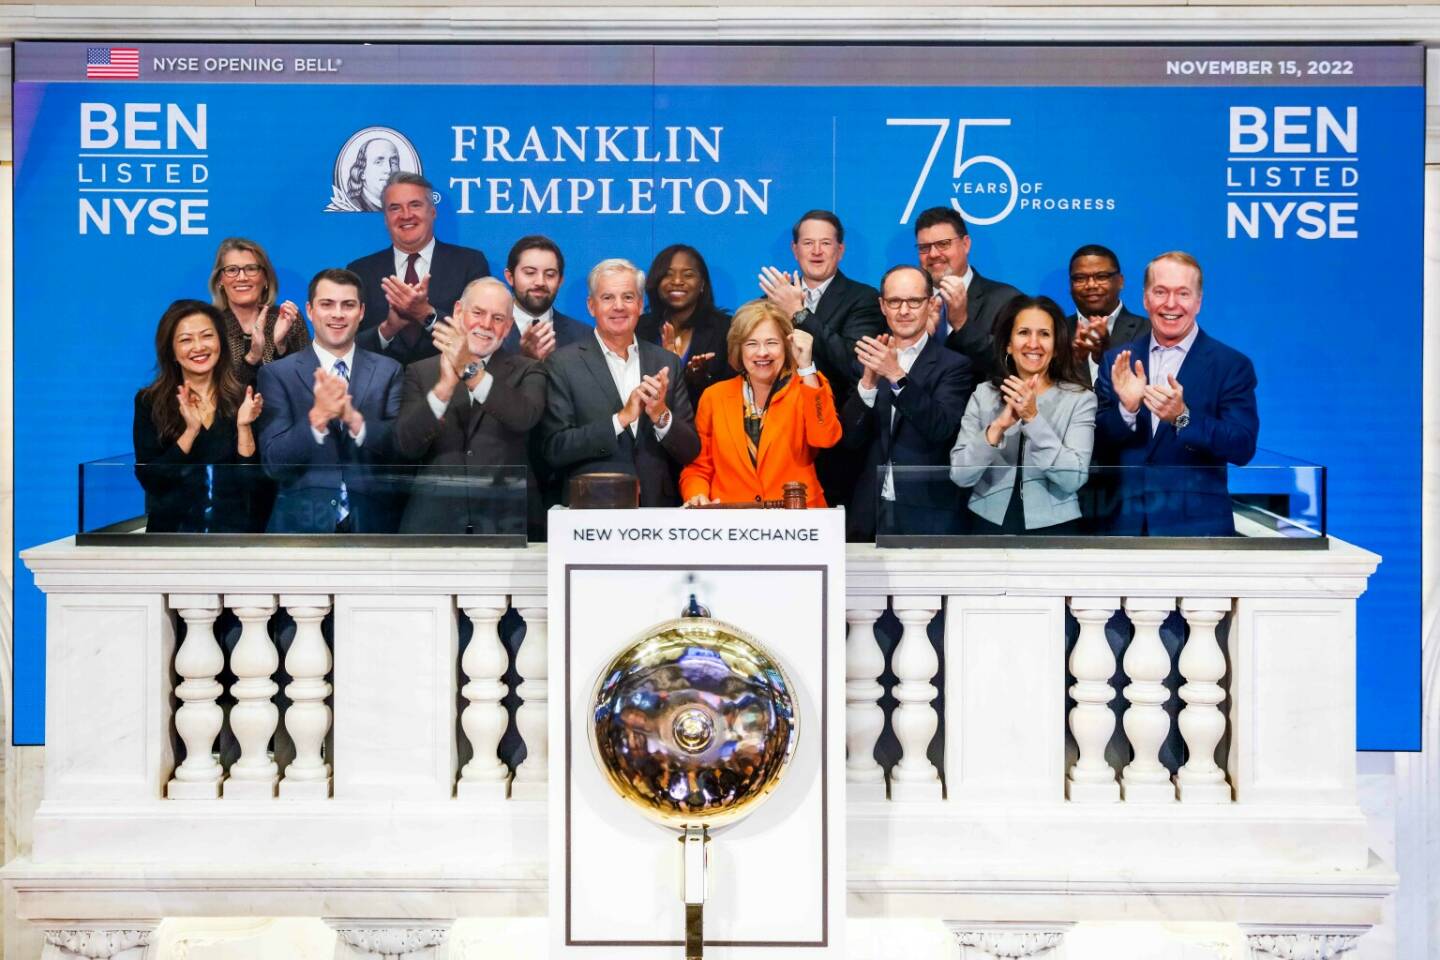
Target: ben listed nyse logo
{"points": [[365, 164], [1293, 172], [142, 167]]}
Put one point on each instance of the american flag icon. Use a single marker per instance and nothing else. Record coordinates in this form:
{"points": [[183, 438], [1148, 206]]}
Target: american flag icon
{"points": [[112, 63]]}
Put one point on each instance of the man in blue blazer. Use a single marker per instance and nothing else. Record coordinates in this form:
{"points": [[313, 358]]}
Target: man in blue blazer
{"points": [[905, 412], [535, 270], [1175, 408], [328, 415], [414, 281]]}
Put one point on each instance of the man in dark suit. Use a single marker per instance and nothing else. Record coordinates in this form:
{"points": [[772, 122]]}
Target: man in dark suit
{"points": [[1175, 407], [535, 270], [969, 303], [465, 414], [404, 281], [836, 311], [905, 412], [1100, 318], [617, 404], [327, 420]]}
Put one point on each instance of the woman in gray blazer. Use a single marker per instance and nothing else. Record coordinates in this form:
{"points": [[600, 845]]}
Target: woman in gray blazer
{"points": [[1036, 412]]}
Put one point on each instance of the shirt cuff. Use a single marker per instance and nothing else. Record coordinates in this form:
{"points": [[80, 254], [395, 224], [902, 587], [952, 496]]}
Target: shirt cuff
{"points": [[359, 438], [384, 340], [436, 407], [867, 395], [319, 435], [615, 422], [1129, 417], [482, 389]]}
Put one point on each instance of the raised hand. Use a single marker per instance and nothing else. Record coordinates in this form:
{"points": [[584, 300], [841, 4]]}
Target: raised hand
{"points": [[782, 289], [1129, 382], [1166, 401], [652, 390], [695, 366], [250, 408], [634, 404], [454, 345], [538, 342], [802, 348], [410, 301], [668, 340], [285, 318], [878, 357], [1091, 336], [331, 395], [191, 409], [1020, 395], [951, 291]]}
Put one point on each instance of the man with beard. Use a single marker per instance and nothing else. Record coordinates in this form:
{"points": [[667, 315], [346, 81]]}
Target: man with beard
{"points": [[535, 271]]}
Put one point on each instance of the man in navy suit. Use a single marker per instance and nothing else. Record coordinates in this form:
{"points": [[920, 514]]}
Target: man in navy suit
{"points": [[1100, 319], [906, 412], [1175, 408], [969, 303], [404, 282], [535, 270], [327, 421]]}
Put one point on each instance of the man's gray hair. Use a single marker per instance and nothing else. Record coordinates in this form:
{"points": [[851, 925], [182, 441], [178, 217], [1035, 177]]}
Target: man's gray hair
{"points": [[474, 287], [616, 265], [403, 177]]}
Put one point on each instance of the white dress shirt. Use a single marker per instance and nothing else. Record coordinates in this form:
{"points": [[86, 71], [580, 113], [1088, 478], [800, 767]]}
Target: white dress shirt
{"points": [[422, 270], [1164, 362], [1109, 330], [523, 319], [327, 363], [625, 372], [813, 294], [906, 357]]}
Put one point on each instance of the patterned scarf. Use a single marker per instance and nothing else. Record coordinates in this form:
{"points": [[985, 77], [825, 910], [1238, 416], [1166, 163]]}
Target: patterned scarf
{"points": [[755, 418]]}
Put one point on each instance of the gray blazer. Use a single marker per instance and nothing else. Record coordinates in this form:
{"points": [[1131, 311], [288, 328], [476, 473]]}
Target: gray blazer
{"points": [[1057, 455]]}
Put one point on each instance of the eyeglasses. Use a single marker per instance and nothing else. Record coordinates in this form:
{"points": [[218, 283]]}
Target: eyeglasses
{"points": [[913, 304], [939, 246], [1085, 279], [249, 269]]}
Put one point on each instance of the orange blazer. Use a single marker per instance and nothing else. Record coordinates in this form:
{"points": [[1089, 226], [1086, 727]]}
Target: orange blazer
{"points": [[800, 421]]}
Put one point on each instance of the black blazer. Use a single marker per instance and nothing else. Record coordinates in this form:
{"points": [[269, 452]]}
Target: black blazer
{"points": [[984, 301], [451, 269], [708, 337], [456, 491], [846, 312], [179, 488], [567, 331], [578, 436], [929, 410], [1128, 327]]}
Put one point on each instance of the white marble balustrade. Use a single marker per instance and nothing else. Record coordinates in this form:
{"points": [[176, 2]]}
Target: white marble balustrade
{"points": [[350, 801]]}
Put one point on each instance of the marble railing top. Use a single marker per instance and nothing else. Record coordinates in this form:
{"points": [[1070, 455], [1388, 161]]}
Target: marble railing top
{"points": [[1339, 572]]}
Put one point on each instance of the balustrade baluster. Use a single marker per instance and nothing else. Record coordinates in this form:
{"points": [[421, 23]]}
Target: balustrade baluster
{"points": [[864, 717], [484, 719], [254, 717], [199, 718], [307, 719], [915, 721], [1092, 664], [1201, 722], [532, 663], [1147, 664]]}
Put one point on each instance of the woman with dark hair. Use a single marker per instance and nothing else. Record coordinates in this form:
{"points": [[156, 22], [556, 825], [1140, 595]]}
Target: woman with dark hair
{"points": [[193, 418], [1027, 434], [243, 285], [683, 317]]}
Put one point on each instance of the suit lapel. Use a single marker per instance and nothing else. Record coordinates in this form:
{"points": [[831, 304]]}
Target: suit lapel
{"points": [[1192, 369], [600, 370], [305, 371], [830, 299]]}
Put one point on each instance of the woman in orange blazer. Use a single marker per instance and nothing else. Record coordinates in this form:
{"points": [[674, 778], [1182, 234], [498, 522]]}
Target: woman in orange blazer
{"points": [[760, 430]]}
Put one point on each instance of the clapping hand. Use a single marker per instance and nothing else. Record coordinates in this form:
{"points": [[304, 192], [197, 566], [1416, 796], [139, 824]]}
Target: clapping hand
{"points": [[668, 340], [538, 342], [783, 290], [1129, 382], [411, 302], [332, 393], [454, 345], [652, 391], [952, 292], [878, 358], [695, 366], [191, 409], [1166, 401], [285, 318], [1020, 396], [250, 408], [1091, 335]]}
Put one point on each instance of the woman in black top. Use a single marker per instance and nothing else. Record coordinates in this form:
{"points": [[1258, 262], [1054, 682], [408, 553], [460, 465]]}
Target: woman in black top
{"points": [[243, 285], [195, 449], [683, 317]]}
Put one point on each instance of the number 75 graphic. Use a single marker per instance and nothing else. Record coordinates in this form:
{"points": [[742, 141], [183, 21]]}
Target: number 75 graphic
{"points": [[942, 127]]}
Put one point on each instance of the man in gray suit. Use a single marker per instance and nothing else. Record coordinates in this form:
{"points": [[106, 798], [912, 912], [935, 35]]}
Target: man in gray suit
{"points": [[1100, 318], [969, 302], [466, 416], [618, 404]]}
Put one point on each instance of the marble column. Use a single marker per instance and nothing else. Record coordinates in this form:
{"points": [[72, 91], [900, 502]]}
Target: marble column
{"points": [[864, 717]]}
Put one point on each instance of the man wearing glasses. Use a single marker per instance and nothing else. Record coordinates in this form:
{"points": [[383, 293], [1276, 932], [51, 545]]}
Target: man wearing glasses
{"points": [[905, 412], [1100, 318], [969, 302]]}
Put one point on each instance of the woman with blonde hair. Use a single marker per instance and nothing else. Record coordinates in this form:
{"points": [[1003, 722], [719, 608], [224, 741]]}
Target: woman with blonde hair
{"points": [[243, 285], [762, 429]]}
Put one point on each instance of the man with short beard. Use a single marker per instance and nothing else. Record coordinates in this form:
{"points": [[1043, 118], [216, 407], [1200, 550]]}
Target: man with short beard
{"points": [[535, 270]]}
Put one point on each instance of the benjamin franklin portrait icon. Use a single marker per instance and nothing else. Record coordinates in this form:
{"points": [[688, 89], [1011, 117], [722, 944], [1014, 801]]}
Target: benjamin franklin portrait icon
{"points": [[365, 164]]}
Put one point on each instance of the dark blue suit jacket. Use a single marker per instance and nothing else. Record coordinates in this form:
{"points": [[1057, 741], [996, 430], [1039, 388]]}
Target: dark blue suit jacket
{"points": [[930, 409], [1176, 482], [567, 331], [452, 268], [310, 473]]}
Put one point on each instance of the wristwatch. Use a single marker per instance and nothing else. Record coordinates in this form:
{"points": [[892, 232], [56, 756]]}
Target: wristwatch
{"points": [[664, 421], [471, 368], [800, 316], [1183, 421]]}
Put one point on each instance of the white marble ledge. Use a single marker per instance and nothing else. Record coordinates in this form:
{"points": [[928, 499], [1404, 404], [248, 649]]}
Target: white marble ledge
{"points": [[1042, 21], [1339, 572]]}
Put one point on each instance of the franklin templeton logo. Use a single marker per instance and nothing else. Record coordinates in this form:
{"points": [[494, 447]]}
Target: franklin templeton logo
{"points": [[364, 165]]}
